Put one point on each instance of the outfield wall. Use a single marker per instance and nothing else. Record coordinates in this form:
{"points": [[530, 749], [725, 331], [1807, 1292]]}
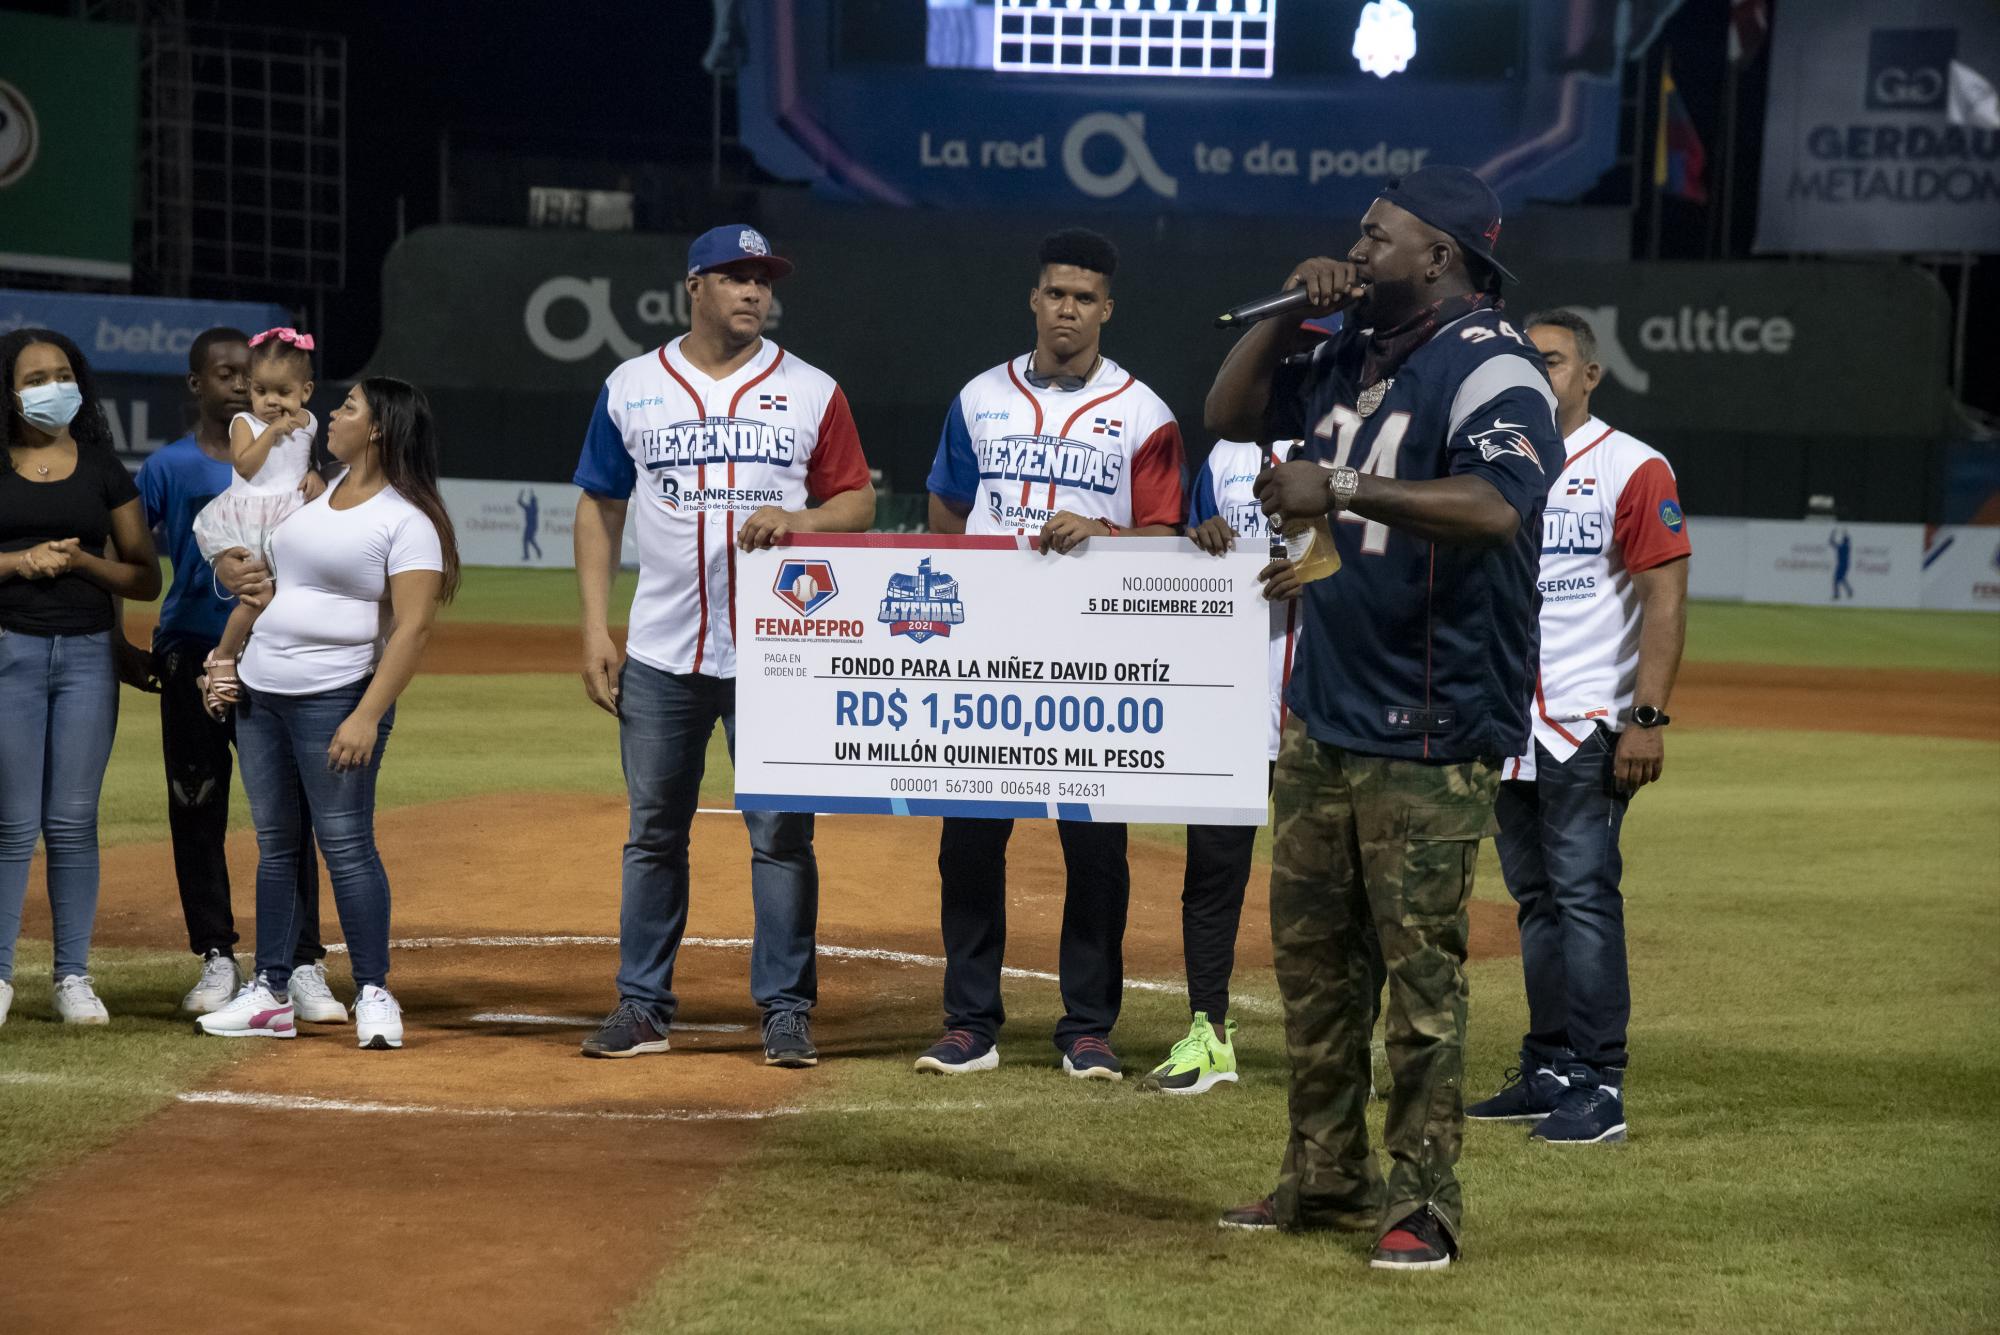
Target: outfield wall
{"points": [[529, 525]]}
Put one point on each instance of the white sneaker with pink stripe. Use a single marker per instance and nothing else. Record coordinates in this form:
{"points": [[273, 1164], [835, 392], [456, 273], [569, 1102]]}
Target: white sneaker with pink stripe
{"points": [[254, 1012]]}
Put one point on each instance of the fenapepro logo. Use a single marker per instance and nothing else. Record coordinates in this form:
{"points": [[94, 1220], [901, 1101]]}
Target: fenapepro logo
{"points": [[806, 585], [1909, 69]]}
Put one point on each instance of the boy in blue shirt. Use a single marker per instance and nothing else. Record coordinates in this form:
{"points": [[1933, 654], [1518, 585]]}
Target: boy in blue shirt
{"points": [[174, 484]]}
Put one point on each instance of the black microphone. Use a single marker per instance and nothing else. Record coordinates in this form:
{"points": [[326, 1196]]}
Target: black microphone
{"points": [[1278, 303]]}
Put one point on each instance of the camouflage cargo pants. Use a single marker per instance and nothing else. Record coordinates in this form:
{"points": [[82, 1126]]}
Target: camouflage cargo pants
{"points": [[1370, 874]]}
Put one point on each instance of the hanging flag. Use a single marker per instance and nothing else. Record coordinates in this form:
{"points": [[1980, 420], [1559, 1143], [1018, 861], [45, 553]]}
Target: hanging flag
{"points": [[1972, 100], [1749, 25], [1678, 157]]}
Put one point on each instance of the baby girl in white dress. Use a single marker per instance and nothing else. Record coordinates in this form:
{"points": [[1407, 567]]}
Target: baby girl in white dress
{"points": [[271, 451]]}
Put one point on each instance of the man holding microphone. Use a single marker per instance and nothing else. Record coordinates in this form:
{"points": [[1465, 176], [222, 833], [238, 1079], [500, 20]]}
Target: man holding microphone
{"points": [[1431, 441]]}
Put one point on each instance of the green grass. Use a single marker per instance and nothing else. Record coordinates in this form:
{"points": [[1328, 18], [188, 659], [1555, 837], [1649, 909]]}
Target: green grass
{"points": [[66, 1090], [1843, 637], [1812, 924]]}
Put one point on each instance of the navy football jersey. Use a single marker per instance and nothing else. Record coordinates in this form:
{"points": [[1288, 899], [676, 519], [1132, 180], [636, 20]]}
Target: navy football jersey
{"points": [[1414, 649]]}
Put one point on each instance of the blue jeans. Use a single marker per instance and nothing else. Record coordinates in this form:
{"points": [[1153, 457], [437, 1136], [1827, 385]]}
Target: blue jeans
{"points": [[281, 743], [58, 711], [1558, 846], [664, 723]]}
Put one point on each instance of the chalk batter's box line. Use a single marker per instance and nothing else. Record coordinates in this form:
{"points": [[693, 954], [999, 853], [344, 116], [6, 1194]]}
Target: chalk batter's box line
{"points": [[973, 808]]}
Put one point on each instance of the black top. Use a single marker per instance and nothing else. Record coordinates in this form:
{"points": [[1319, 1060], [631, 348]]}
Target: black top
{"points": [[78, 507]]}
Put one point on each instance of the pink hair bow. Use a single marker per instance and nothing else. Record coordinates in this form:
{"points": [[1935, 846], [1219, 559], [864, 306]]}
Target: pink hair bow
{"points": [[303, 342]]}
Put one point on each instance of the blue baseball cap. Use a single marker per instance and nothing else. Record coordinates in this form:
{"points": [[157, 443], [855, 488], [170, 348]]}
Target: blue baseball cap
{"points": [[733, 243], [1457, 203]]}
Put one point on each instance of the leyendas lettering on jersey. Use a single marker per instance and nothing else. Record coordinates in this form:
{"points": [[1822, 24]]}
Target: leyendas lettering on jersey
{"points": [[1049, 459], [717, 440]]}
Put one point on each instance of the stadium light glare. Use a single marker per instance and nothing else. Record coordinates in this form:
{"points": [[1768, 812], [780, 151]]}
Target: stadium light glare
{"points": [[1385, 40]]}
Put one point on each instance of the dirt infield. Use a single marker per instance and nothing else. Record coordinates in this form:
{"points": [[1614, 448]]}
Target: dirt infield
{"points": [[533, 1184]]}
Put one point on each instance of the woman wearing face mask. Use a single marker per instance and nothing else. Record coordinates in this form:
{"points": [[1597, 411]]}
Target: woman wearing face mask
{"points": [[72, 536], [359, 574]]}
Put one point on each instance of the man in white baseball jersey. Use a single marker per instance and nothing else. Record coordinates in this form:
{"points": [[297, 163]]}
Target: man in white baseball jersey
{"points": [[1613, 619], [1063, 443], [724, 437]]}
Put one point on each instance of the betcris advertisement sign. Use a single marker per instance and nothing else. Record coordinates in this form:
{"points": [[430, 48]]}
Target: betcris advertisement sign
{"points": [[140, 335], [138, 348], [1882, 130]]}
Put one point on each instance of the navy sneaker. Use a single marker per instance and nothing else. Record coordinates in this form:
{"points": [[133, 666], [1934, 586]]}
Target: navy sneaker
{"points": [[1091, 1058], [1418, 1243], [788, 1040], [959, 1052], [627, 1032], [1592, 1112], [1529, 1094]]}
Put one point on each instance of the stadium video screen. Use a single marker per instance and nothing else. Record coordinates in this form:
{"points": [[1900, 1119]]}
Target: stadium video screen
{"points": [[1178, 38], [1150, 39]]}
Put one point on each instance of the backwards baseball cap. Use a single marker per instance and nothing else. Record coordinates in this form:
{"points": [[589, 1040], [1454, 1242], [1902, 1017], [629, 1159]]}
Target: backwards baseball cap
{"points": [[1457, 203], [733, 243]]}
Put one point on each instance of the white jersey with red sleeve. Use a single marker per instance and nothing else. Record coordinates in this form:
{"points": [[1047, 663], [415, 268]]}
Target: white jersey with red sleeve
{"points": [[696, 457], [1011, 454], [1227, 487], [1614, 510]]}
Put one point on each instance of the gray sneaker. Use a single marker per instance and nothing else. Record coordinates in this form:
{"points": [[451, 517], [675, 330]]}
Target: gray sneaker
{"points": [[220, 979], [312, 999], [77, 1003], [788, 1040]]}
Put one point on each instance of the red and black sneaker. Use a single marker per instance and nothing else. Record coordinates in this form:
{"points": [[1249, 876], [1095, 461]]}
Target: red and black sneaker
{"points": [[1418, 1243], [1259, 1216]]}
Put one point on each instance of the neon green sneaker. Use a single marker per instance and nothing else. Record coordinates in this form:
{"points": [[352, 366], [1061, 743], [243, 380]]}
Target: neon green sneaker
{"points": [[1198, 1062]]}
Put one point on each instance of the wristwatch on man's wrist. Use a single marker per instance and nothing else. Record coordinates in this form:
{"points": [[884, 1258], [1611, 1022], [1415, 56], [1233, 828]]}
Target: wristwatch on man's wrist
{"points": [[1649, 716], [1341, 484]]}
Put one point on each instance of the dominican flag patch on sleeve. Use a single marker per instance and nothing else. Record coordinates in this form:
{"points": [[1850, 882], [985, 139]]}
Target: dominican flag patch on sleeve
{"points": [[1581, 486], [773, 403], [1107, 426]]}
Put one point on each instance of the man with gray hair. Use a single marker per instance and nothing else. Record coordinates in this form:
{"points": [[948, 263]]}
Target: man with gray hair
{"points": [[1613, 619]]}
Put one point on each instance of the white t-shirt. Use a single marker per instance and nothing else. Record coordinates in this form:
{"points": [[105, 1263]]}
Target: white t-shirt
{"points": [[1614, 509], [1227, 487], [326, 624], [285, 466], [695, 457]]}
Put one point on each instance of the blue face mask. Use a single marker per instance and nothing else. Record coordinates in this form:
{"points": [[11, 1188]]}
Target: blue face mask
{"points": [[50, 407]]}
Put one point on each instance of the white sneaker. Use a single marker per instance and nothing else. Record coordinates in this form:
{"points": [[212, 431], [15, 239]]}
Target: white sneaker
{"points": [[220, 978], [77, 1003], [312, 1000], [378, 1020], [254, 1012], [6, 998]]}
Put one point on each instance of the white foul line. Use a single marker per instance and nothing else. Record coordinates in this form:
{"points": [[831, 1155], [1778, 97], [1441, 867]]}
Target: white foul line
{"points": [[308, 1103], [1248, 1003]]}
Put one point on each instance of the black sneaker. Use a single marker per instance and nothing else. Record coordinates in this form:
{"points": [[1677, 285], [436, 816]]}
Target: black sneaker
{"points": [[788, 1040], [627, 1032], [959, 1052], [1260, 1216], [1528, 1095], [1418, 1243]]}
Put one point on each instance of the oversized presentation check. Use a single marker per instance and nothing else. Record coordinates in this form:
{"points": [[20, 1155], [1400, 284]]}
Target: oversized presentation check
{"points": [[931, 675]]}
